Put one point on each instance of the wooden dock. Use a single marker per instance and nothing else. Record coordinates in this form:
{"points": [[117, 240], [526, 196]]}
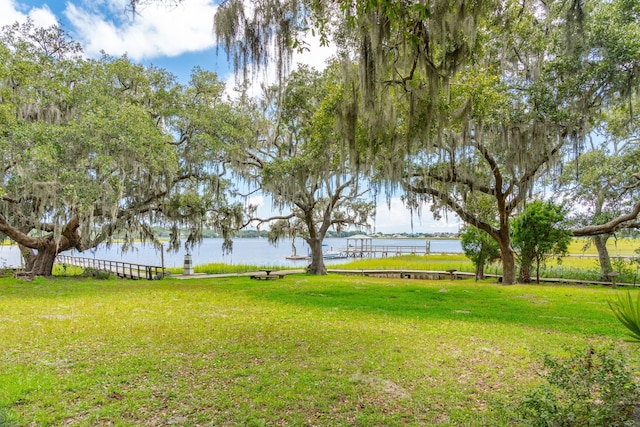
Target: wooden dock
{"points": [[385, 250], [119, 268]]}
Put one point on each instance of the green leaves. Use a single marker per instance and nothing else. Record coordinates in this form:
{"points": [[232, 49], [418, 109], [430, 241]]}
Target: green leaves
{"points": [[627, 311], [593, 387], [298, 158], [479, 247], [539, 232]]}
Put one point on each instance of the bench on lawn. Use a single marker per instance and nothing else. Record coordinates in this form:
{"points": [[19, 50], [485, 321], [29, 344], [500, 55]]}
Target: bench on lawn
{"points": [[269, 275]]}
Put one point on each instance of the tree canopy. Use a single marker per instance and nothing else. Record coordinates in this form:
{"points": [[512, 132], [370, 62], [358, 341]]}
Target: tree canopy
{"points": [[97, 149]]}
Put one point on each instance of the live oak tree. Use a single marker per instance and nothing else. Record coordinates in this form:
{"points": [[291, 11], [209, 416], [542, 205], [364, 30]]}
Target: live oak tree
{"points": [[100, 149], [614, 43], [298, 159], [558, 73]]}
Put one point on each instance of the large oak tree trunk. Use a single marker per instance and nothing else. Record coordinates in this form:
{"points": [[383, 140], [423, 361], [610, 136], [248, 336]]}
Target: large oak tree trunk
{"points": [[508, 257], [600, 242], [39, 253], [43, 261], [39, 262], [508, 266], [317, 266]]}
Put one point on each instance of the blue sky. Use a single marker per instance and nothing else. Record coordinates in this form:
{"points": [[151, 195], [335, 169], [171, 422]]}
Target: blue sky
{"points": [[173, 37], [178, 38]]}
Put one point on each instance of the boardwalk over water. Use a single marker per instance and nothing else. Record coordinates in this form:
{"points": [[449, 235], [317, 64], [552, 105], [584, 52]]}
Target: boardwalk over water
{"points": [[119, 268]]}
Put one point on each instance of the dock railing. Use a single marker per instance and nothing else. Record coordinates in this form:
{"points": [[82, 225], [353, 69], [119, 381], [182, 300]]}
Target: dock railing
{"points": [[385, 250], [119, 268]]}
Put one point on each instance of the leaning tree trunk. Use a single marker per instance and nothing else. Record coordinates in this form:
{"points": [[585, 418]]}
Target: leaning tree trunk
{"points": [[600, 242], [39, 253], [28, 256], [317, 266]]}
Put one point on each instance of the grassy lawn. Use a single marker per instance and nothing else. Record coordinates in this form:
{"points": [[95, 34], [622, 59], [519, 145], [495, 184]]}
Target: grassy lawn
{"points": [[438, 262], [616, 247], [328, 351]]}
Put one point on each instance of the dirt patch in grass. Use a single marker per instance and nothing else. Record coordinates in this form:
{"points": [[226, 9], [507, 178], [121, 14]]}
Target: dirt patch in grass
{"points": [[380, 385]]}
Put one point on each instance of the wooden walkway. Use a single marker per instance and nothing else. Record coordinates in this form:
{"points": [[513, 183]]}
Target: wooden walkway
{"points": [[454, 274], [385, 251], [119, 268]]}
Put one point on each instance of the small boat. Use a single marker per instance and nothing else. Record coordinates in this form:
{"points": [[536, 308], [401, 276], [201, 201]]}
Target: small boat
{"points": [[294, 256], [333, 255]]}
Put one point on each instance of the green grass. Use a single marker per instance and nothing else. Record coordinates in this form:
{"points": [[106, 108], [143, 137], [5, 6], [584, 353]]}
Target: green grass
{"points": [[67, 270], [221, 268], [303, 350], [616, 247], [436, 262]]}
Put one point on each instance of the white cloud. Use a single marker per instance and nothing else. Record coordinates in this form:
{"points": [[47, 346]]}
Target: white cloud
{"points": [[158, 30], [316, 56], [11, 11]]}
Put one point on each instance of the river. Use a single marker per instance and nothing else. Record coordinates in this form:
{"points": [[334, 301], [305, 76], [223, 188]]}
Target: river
{"points": [[245, 251]]}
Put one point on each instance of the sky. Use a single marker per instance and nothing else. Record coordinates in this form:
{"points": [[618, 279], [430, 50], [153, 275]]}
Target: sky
{"points": [[179, 37]]}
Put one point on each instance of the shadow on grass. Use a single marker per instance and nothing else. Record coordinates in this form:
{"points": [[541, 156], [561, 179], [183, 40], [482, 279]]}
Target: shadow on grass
{"points": [[574, 310]]}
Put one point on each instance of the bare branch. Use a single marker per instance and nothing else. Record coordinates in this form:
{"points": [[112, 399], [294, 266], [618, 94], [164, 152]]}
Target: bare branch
{"points": [[609, 227]]}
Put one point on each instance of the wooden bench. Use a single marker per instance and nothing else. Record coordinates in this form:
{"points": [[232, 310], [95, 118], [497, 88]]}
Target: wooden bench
{"points": [[23, 275], [269, 275]]}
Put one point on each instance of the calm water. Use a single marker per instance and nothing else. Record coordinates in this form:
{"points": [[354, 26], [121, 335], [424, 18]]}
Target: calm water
{"points": [[245, 251]]}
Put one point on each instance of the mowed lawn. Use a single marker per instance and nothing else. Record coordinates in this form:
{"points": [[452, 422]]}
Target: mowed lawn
{"points": [[301, 351]]}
